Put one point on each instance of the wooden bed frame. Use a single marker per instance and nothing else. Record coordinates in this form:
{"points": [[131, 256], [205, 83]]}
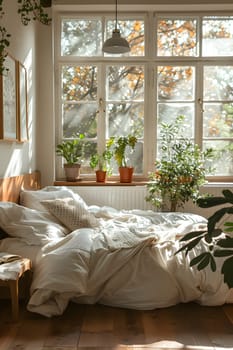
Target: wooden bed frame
{"points": [[10, 187]]}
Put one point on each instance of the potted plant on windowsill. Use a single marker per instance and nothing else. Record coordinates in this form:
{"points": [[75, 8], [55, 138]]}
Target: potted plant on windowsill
{"points": [[121, 145], [72, 151], [101, 162], [181, 170]]}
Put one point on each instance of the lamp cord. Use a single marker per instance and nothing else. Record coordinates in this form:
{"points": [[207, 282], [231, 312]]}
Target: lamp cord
{"points": [[116, 16]]}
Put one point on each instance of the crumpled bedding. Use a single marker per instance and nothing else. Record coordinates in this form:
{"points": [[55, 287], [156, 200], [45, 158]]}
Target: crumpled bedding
{"points": [[128, 261]]}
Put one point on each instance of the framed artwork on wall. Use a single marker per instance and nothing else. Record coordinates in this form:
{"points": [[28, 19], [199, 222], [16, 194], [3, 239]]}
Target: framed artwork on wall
{"points": [[22, 133], [8, 101]]}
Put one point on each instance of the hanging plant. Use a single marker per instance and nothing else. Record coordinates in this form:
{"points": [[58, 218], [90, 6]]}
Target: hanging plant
{"points": [[4, 41], [28, 10], [33, 10]]}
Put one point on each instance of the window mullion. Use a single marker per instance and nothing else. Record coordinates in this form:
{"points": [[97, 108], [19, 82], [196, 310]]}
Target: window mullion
{"points": [[101, 117], [198, 132]]}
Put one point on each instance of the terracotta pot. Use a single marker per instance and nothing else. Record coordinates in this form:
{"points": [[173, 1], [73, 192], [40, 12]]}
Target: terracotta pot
{"points": [[185, 179], [101, 176], [126, 174], [72, 172]]}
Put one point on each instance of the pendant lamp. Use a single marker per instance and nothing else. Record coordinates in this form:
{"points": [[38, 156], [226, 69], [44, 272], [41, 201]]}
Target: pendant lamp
{"points": [[116, 44]]}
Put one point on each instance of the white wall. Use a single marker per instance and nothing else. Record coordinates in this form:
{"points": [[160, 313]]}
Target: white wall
{"points": [[45, 126], [31, 45], [17, 158]]}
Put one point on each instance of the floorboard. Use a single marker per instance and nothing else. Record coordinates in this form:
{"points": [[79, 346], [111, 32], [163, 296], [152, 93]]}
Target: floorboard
{"points": [[97, 327]]}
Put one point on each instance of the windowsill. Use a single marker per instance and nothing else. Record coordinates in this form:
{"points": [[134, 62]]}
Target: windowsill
{"points": [[94, 183], [138, 182]]}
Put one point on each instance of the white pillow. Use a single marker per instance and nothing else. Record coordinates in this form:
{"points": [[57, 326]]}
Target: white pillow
{"points": [[32, 226], [71, 213], [32, 199]]}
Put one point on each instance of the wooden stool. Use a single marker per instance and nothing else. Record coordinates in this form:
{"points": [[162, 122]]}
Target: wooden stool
{"points": [[17, 268]]}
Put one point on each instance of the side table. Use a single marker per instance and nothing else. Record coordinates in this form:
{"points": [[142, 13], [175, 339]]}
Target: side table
{"points": [[10, 274]]}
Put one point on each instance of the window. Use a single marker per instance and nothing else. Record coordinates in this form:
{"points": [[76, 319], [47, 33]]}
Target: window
{"points": [[180, 65]]}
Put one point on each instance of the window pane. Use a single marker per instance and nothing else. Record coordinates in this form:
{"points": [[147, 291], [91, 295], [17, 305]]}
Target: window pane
{"points": [[168, 112], [223, 161], [79, 83], [132, 31], [79, 118], [125, 118], [217, 36], [218, 83], [177, 37], [79, 91], [125, 83], [81, 37], [218, 120], [175, 83]]}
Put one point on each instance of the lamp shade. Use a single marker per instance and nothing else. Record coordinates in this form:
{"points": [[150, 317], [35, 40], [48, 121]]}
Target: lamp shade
{"points": [[116, 44]]}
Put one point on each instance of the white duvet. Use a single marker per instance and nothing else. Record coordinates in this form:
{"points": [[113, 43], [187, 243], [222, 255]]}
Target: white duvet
{"points": [[129, 261]]}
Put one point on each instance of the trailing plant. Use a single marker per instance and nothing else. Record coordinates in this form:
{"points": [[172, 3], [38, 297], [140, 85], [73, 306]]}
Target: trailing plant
{"points": [[72, 150], [219, 245], [4, 42], [101, 161], [120, 146], [33, 10], [28, 10], [181, 170]]}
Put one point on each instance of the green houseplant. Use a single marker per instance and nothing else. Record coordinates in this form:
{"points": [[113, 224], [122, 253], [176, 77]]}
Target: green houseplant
{"points": [[101, 162], [218, 245], [121, 145], [181, 170], [72, 151]]}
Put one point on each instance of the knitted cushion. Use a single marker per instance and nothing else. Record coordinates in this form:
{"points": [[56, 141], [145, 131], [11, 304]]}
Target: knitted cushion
{"points": [[72, 214]]}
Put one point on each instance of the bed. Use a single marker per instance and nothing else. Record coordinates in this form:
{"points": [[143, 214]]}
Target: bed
{"points": [[91, 254]]}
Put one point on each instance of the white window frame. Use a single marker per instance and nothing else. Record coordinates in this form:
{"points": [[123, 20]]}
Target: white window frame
{"points": [[149, 61]]}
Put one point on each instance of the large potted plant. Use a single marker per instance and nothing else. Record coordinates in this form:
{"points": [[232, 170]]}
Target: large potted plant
{"points": [[219, 246], [102, 162], [181, 170], [124, 145], [72, 151]]}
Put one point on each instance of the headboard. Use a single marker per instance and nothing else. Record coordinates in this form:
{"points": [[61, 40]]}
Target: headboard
{"points": [[10, 187]]}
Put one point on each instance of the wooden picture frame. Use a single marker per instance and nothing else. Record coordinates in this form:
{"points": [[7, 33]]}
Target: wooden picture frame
{"points": [[22, 130], [8, 100]]}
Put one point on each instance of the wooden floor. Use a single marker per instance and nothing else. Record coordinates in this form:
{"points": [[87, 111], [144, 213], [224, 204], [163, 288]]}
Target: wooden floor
{"points": [[86, 327]]}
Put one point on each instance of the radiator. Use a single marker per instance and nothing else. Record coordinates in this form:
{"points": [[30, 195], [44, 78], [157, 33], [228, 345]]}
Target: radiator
{"points": [[133, 197], [119, 197]]}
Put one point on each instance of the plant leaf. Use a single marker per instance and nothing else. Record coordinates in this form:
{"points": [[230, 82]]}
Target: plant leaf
{"points": [[189, 246], [191, 235], [211, 201], [226, 242], [227, 272], [205, 262], [223, 252], [197, 259], [216, 217], [213, 264], [228, 195]]}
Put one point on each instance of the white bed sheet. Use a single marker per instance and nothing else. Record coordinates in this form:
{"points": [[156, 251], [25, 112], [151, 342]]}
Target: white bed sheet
{"points": [[128, 261]]}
